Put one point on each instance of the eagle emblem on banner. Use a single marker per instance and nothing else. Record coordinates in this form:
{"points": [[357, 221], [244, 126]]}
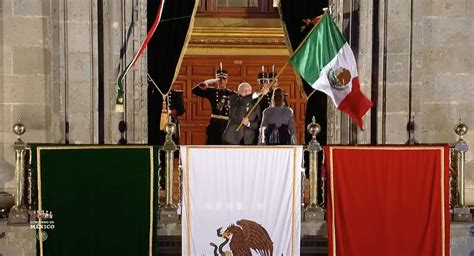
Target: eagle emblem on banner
{"points": [[243, 237], [339, 78]]}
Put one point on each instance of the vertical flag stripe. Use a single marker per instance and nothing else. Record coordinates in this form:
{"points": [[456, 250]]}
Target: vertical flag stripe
{"points": [[343, 58], [322, 45], [247, 193]]}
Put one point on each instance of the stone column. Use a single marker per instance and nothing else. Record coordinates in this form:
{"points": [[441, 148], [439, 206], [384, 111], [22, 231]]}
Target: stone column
{"points": [[313, 215], [313, 210], [118, 15], [19, 213], [169, 218], [79, 57], [461, 212]]}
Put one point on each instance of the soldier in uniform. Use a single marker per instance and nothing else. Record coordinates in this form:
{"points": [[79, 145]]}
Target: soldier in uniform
{"points": [[240, 105], [219, 98], [262, 80], [266, 79]]}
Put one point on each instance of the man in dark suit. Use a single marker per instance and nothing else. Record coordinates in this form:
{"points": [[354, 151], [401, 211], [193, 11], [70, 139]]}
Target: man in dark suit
{"points": [[240, 105]]}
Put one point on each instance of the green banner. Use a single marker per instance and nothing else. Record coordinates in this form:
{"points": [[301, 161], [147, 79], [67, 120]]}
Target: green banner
{"points": [[95, 200]]}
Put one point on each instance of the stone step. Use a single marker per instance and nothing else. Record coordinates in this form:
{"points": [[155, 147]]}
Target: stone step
{"points": [[310, 245]]}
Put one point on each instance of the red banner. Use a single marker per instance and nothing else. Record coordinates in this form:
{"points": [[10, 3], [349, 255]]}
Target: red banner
{"points": [[388, 200]]}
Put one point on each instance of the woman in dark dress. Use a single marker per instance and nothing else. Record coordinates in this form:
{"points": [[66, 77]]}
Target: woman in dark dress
{"points": [[278, 122]]}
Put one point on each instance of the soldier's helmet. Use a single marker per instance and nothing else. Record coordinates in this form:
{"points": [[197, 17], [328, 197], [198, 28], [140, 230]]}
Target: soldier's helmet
{"points": [[262, 77], [221, 72], [272, 75]]}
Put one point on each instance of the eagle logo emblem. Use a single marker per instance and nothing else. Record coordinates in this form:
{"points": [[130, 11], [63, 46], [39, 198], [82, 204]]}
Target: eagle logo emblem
{"points": [[339, 78], [244, 237]]}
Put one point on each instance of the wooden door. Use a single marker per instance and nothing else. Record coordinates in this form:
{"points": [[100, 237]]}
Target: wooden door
{"points": [[195, 69]]}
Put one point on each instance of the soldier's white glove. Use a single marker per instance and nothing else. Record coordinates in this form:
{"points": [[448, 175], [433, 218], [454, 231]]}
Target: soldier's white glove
{"points": [[211, 81]]}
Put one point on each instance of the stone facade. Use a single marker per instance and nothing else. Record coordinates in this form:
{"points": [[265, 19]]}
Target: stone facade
{"points": [[445, 91], [49, 76], [26, 77], [49, 73], [434, 67]]}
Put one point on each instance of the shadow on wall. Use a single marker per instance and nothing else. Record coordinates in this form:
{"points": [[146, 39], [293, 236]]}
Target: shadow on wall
{"points": [[7, 173]]}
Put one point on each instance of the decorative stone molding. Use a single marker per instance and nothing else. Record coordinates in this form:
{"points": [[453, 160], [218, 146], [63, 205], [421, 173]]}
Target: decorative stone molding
{"points": [[230, 37]]}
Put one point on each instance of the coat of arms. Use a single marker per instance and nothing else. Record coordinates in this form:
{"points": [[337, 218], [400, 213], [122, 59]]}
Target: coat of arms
{"points": [[339, 78], [243, 237]]}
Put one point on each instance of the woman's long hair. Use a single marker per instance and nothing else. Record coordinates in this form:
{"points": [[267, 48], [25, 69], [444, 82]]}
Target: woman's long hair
{"points": [[280, 98]]}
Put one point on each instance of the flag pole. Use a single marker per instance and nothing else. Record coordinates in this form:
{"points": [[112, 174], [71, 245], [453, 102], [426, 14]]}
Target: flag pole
{"points": [[263, 95], [309, 34], [283, 68], [305, 39]]}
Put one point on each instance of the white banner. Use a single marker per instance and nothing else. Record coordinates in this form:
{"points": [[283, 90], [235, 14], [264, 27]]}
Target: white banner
{"points": [[241, 199]]}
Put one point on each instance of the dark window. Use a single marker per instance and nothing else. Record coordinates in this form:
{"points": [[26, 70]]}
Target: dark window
{"points": [[237, 3], [237, 8]]}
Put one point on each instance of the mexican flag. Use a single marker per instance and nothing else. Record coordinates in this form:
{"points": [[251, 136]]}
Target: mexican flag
{"points": [[325, 60], [241, 200]]}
